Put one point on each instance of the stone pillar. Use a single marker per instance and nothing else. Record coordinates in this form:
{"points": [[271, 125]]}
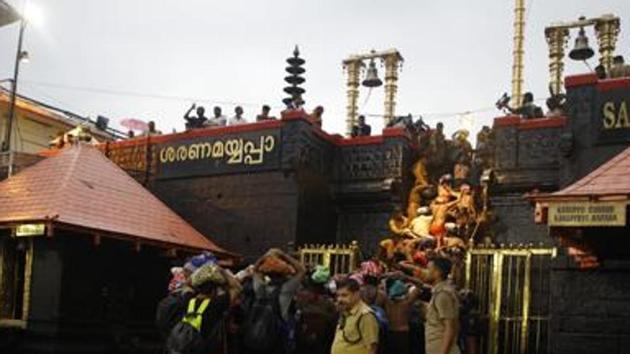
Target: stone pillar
{"points": [[557, 39], [353, 68], [607, 29], [391, 86]]}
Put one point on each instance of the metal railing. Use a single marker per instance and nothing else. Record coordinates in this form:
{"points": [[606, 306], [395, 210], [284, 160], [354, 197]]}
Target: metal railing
{"points": [[512, 288], [340, 259]]}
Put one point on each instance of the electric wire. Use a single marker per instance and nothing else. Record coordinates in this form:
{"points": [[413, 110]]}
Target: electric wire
{"points": [[427, 115], [143, 95]]}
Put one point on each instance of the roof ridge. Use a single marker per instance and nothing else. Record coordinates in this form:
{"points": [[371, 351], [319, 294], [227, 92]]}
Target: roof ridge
{"points": [[68, 173]]}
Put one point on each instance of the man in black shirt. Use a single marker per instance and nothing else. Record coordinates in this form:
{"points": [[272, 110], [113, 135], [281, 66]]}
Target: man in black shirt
{"points": [[361, 129], [195, 122]]}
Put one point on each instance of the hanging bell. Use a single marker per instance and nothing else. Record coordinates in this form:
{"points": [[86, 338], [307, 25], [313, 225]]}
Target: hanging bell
{"points": [[371, 77], [581, 50]]}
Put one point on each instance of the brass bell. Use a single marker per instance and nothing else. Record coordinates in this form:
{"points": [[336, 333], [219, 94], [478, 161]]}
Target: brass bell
{"points": [[371, 77], [581, 50]]}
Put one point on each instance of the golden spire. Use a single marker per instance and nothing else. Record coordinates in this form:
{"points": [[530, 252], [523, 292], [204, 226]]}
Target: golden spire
{"points": [[518, 53]]}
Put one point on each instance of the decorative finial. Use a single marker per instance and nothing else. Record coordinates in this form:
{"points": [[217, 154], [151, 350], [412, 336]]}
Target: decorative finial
{"points": [[294, 79]]}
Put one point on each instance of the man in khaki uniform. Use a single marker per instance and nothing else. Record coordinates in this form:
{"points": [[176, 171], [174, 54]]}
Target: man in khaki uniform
{"points": [[357, 330], [442, 322]]}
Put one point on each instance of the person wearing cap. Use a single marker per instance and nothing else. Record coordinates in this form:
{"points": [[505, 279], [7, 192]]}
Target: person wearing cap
{"points": [[397, 302], [318, 315], [442, 316]]}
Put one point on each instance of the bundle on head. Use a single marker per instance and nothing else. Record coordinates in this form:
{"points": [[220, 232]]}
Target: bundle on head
{"points": [[207, 277], [321, 274], [273, 265]]}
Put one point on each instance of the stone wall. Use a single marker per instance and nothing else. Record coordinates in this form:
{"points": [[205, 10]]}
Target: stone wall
{"points": [[590, 310], [244, 213], [313, 188], [515, 224]]}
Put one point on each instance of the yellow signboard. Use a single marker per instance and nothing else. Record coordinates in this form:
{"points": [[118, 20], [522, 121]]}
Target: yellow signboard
{"points": [[30, 230], [587, 214]]}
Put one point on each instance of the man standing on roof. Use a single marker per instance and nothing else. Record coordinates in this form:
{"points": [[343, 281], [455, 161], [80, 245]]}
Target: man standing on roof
{"points": [[151, 130], [238, 117], [218, 120], [361, 129], [264, 115], [316, 116], [195, 122]]}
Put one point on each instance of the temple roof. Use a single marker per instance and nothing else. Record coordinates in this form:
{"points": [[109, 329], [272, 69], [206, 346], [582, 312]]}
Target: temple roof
{"points": [[610, 180], [81, 188]]}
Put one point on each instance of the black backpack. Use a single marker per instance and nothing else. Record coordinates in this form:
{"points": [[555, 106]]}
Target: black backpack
{"points": [[262, 329], [186, 337], [169, 312]]}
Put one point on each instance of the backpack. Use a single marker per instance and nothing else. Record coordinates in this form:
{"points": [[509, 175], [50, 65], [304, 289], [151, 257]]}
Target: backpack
{"points": [[262, 328], [185, 337], [169, 312]]}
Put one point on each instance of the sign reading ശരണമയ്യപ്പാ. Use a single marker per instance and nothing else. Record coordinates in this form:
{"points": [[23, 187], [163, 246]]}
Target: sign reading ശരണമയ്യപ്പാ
{"points": [[587, 214], [243, 152]]}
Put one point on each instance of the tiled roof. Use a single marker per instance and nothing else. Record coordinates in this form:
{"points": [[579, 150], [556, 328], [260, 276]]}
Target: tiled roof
{"points": [[82, 188], [610, 179]]}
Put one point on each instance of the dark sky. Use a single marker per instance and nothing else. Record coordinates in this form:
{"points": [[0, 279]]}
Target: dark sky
{"points": [[150, 59]]}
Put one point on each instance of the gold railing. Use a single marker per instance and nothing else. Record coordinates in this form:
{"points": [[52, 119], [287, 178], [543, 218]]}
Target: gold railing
{"points": [[511, 286], [340, 259], [15, 281]]}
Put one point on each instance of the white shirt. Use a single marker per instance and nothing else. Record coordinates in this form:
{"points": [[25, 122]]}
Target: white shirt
{"points": [[236, 121], [216, 121]]}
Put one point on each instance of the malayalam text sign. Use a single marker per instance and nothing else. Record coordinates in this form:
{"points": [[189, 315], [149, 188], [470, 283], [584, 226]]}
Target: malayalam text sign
{"points": [[587, 214], [229, 153]]}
